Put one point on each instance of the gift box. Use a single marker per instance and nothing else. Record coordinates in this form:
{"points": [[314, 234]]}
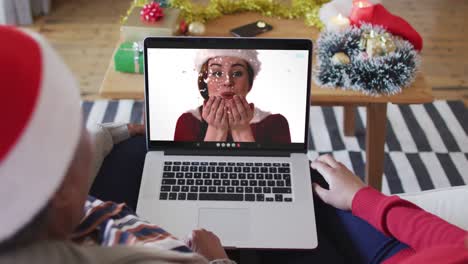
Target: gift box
{"points": [[134, 29], [129, 57]]}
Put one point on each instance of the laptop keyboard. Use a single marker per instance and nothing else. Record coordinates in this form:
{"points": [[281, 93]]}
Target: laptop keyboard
{"points": [[226, 181]]}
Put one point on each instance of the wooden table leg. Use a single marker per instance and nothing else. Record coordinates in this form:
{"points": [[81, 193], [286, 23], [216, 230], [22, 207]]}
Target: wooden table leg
{"points": [[349, 120], [375, 143]]}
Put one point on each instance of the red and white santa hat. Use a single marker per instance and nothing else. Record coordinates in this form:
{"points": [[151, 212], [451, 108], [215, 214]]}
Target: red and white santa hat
{"points": [[250, 56], [40, 126]]}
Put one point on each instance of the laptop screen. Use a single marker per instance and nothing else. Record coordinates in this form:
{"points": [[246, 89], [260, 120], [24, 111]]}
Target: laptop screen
{"points": [[212, 97]]}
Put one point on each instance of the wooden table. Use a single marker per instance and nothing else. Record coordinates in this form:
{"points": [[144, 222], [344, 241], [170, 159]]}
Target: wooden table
{"points": [[130, 86]]}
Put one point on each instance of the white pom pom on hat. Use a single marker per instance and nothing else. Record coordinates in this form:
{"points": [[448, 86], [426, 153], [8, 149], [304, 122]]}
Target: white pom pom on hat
{"points": [[250, 56], [41, 126]]}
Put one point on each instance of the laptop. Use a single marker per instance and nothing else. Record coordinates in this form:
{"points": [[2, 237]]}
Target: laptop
{"points": [[226, 129]]}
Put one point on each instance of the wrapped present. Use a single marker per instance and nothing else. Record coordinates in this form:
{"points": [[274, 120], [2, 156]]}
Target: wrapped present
{"points": [[136, 29], [377, 44], [379, 15], [129, 57]]}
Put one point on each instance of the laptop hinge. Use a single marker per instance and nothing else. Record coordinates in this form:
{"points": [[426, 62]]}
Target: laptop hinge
{"points": [[245, 153]]}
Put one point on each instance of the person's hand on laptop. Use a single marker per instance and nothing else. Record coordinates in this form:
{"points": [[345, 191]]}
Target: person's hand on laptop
{"points": [[343, 183], [207, 244]]}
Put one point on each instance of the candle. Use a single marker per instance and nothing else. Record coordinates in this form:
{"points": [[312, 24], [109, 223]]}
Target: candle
{"points": [[361, 3], [338, 23], [360, 10]]}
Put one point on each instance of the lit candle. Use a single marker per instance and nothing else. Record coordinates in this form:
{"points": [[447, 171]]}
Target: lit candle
{"points": [[360, 10], [338, 23], [361, 3]]}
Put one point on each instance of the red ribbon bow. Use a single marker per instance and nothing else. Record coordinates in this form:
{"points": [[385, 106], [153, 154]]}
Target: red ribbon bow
{"points": [[151, 12]]}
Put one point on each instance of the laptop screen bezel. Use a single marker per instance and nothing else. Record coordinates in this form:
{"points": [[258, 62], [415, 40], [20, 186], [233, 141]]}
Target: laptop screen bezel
{"points": [[226, 43]]}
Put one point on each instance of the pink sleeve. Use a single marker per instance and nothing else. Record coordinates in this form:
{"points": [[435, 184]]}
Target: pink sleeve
{"points": [[405, 221]]}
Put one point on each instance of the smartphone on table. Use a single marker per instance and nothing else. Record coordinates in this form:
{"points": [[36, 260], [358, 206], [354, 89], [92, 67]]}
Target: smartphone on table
{"points": [[252, 29]]}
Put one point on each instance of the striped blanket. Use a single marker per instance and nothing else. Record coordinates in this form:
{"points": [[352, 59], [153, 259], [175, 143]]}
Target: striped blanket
{"points": [[109, 224]]}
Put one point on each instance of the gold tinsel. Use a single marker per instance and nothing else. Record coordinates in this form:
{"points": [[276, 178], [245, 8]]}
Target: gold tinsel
{"points": [[305, 9], [135, 3]]}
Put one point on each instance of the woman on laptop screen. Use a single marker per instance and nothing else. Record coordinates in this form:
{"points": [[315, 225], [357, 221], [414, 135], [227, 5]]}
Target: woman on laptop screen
{"points": [[225, 79]]}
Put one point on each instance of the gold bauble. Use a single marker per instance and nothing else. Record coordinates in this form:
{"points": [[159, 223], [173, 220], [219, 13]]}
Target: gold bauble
{"points": [[196, 28], [340, 58]]}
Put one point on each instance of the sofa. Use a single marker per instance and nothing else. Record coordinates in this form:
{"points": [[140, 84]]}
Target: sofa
{"points": [[451, 204]]}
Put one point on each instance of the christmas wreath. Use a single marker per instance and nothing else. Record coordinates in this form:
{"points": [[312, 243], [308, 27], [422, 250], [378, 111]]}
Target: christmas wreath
{"points": [[367, 59]]}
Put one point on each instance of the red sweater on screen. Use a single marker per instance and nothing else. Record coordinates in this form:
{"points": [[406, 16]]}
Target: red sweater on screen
{"points": [[266, 128], [431, 239]]}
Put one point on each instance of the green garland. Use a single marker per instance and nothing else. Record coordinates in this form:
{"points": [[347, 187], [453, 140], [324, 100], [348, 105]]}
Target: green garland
{"points": [[305, 9]]}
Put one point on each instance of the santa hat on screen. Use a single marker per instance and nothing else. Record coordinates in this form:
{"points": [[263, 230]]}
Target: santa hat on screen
{"points": [[41, 126], [250, 56]]}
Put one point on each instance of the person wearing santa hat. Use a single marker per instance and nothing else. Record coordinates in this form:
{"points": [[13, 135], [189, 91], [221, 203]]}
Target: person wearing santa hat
{"points": [[225, 78], [47, 161]]}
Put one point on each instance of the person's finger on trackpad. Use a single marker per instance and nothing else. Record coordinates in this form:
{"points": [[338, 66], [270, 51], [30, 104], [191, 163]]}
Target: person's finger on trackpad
{"points": [[207, 244]]}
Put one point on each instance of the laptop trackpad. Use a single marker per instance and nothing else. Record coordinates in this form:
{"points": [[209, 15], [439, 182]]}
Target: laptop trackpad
{"points": [[228, 224]]}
